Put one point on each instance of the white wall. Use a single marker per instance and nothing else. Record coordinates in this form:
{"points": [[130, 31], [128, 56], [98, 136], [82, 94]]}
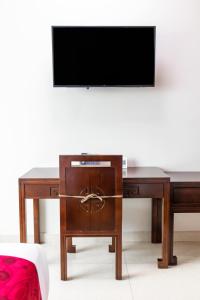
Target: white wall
{"points": [[151, 126]]}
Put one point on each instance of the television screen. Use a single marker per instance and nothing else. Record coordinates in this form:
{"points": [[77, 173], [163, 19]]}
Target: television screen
{"points": [[103, 56]]}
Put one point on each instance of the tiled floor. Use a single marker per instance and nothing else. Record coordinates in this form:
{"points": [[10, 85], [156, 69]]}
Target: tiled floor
{"points": [[91, 272]]}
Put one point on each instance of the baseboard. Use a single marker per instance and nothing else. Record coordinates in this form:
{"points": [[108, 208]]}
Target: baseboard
{"points": [[136, 236], [9, 238], [145, 236], [187, 236]]}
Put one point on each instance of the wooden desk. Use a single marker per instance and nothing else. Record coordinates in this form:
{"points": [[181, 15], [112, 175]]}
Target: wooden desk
{"points": [[184, 198], [138, 182]]}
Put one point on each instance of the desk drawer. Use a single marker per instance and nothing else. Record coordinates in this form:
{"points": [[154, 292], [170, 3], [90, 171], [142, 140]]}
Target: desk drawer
{"points": [[187, 195], [147, 190], [41, 191]]}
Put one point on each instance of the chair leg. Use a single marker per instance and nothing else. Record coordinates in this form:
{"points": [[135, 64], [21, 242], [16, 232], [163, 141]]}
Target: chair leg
{"points": [[70, 247], [63, 258], [118, 264], [112, 246]]}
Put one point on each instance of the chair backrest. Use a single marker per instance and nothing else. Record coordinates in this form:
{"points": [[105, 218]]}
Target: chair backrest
{"points": [[90, 192]]}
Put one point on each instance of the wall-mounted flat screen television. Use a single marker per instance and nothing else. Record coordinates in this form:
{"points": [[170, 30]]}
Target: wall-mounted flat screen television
{"points": [[86, 56]]}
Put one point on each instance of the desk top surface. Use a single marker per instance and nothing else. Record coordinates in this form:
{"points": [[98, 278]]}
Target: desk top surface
{"points": [[132, 172], [184, 176]]}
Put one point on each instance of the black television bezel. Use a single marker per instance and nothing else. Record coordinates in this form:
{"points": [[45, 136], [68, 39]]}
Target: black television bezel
{"points": [[103, 85]]}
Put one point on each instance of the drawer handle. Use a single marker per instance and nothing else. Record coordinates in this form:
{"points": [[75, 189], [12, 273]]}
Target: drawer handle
{"points": [[54, 191], [135, 190]]}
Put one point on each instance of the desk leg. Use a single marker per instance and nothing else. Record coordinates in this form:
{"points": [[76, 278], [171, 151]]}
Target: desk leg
{"points": [[164, 262], [70, 248], [156, 221], [36, 217], [22, 213], [172, 258]]}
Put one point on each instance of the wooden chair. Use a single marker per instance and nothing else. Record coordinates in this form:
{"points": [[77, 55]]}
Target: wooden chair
{"points": [[90, 201]]}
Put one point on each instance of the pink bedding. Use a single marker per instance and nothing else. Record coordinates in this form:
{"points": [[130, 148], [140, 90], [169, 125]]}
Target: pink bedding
{"points": [[18, 279]]}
